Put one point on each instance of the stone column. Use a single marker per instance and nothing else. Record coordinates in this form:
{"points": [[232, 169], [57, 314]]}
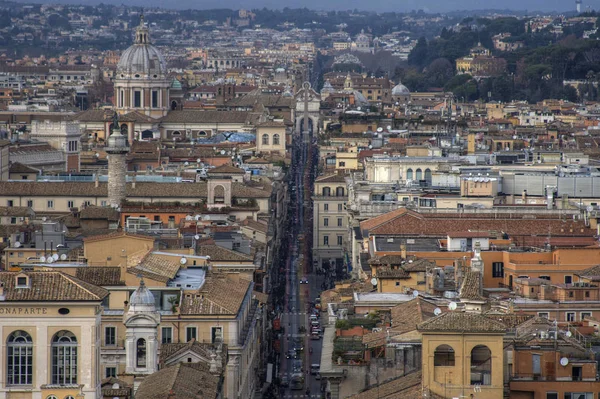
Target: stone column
{"points": [[116, 179]]}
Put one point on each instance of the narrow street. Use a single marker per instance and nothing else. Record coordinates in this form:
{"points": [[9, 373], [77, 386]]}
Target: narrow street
{"points": [[302, 284]]}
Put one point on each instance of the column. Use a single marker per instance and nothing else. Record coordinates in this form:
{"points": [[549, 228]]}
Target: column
{"points": [[42, 365]]}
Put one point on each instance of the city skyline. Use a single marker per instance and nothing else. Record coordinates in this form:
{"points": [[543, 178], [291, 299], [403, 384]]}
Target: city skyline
{"points": [[429, 6]]}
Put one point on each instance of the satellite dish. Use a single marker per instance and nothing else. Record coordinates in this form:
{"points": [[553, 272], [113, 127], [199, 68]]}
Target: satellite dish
{"points": [[63, 257], [569, 334], [55, 256], [379, 129], [17, 244], [389, 127], [415, 293], [374, 281], [197, 237], [42, 259], [44, 219], [452, 306], [188, 217], [183, 261], [198, 217], [186, 163], [589, 208], [198, 160], [564, 361], [50, 259], [437, 311], [222, 152]]}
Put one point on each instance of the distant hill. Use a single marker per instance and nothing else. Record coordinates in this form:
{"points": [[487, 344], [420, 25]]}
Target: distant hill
{"points": [[374, 5]]}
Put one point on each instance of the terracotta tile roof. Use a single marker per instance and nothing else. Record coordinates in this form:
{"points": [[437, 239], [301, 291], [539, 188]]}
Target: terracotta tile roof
{"points": [[171, 351], [17, 167], [181, 381], [100, 276], [142, 189], [50, 287], [405, 387], [419, 265], [115, 234], [470, 288], [220, 294], [254, 225], [218, 253], [156, 267], [386, 272], [99, 212], [16, 211], [407, 222], [461, 322], [336, 178], [407, 316], [593, 271]]}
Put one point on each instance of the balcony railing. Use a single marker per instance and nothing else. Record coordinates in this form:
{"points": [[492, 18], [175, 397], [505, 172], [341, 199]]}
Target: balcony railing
{"points": [[539, 377]]}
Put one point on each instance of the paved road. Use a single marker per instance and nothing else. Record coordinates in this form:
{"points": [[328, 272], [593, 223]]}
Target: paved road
{"points": [[295, 318]]}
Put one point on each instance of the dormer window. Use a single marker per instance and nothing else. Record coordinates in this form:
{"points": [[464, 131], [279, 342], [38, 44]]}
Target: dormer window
{"points": [[22, 281]]}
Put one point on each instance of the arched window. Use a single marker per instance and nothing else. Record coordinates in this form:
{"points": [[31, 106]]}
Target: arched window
{"points": [[428, 175], [326, 192], [339, 192], [265, 139], [409, 174], [141, 353], [275, 139], [51, 397], [19, 362], [443, 356], [481, 365], [219, 195], [64, 358], [419, 174]]}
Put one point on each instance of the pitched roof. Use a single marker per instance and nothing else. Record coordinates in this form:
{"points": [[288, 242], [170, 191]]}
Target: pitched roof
{"points": [[592, 272], [406, 387], [100, 276], [335, 178], [116, 234], [386, 272], [16, 211], [408, 315], [17, 167], [173, 350], [50, 286], [419, 265], [463, 323], [470, 288], [220, 294], [218, 253], [181, 381], [156, 267], [406, 222], [99, 212]]}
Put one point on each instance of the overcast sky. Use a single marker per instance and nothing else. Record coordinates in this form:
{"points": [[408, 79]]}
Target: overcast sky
{"points": [[374, 5]]}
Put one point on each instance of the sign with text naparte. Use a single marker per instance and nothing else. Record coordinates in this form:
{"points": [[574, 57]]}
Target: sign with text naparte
{"points": [[23, 311]]}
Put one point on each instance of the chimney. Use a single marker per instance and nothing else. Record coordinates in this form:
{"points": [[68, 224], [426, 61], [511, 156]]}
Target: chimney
{"points": [[2, 296], [403, 251], [133, 181], [524, 195], [96, 180]]}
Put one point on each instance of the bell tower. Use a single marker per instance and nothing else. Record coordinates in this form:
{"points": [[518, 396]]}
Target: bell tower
{"points": [[141, 340]]}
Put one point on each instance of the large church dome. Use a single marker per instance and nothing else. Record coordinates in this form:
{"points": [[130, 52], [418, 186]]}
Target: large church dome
{"points": [[142, 59]]}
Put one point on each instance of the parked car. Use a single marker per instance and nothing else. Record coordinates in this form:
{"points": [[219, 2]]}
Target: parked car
{"points": [[291, 354]]}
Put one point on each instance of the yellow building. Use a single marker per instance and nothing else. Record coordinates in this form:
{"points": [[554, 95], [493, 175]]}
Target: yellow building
{"points": [[347, 160], [271, 137], [330, 220], [396, 274], [50, 328], [463, 356]]}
